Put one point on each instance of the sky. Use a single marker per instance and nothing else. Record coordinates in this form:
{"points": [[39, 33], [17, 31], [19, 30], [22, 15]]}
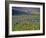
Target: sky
{"points": [[27, 10]]}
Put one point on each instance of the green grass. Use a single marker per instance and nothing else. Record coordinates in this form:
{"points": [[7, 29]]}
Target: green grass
{"points": [[26, 25]]}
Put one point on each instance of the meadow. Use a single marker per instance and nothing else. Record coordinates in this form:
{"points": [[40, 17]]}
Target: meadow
{"points": [[26, 22]]}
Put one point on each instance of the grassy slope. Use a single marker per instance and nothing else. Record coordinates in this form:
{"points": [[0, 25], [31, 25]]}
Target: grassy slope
{"points": [[27, 25]]}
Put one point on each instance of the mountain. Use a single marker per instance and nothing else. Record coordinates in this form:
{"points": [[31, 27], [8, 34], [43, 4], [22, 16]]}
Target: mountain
{"points": [[25, 11], [18, 12]]}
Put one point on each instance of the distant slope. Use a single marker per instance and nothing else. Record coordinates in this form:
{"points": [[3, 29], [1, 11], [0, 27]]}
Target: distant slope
{"points": [[20, 12], [17, 12]]}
